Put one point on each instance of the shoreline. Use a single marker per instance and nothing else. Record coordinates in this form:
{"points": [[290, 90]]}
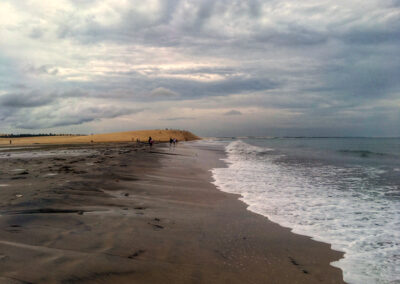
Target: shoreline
{"points": [[291, 230], [335, 255], [125, 214]]}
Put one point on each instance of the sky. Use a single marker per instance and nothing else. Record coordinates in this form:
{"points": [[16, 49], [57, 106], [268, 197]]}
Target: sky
{"points": [[214, 67]]}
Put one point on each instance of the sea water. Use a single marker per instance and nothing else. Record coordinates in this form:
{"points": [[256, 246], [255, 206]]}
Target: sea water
{"points": [[343, 191]]}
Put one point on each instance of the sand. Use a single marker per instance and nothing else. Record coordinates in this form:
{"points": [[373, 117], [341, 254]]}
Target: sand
{"points": [[124, 213], [129, 136]]}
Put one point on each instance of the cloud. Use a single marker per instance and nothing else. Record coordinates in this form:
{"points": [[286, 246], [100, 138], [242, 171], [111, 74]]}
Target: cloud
{"points": [[44, 69], [300, 64], [66, 115], [18, 86], [36, 33], [179, 118], [26, 100], [233, 112], [163, 93]]}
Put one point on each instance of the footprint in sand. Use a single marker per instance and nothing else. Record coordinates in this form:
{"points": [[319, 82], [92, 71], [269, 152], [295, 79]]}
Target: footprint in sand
{"points": [[156, 227], [136, 254], [295, 263]]}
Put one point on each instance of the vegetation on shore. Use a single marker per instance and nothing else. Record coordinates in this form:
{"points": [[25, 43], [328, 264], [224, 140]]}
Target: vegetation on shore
{"points": [[22, 135]]}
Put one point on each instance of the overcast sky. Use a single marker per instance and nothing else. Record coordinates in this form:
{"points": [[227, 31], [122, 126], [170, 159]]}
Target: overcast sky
{"points": [[217, 68]]}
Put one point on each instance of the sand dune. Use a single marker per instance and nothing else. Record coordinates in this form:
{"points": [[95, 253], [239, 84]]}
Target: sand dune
{"points": [[142, 135]]}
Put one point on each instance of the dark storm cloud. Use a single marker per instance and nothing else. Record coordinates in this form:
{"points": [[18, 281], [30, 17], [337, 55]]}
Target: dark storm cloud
{"points": [[58, 117], [26, 100], [239, 85], [166, 28], [133, 86], [185, 23], [192, 89], [292, 35], [365, 79], [34, 99], [375, 36]]}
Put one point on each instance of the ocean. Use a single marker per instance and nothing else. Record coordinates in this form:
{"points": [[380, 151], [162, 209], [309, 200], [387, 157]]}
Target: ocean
{"points": [[342, 191]]}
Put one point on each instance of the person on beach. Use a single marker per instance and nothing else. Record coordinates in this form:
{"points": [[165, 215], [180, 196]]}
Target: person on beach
{"points": [[151, 141]]}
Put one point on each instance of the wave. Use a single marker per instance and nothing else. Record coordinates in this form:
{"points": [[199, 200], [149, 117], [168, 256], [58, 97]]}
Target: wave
{"points": [[244, 150], [340, 206], [363, 153]]}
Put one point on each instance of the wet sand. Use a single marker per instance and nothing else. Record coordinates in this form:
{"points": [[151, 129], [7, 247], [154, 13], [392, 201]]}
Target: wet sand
{"points": [[122, 213]]}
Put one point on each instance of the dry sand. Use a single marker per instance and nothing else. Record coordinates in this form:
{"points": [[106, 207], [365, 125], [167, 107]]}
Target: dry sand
{"points": [[130, 136], [120, 213]]}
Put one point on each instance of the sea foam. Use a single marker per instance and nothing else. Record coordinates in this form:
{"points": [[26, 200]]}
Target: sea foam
{"points": [[333, 204]]}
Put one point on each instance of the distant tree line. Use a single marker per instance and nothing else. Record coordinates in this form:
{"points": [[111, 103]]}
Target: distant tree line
{"points": [[35, 135]]}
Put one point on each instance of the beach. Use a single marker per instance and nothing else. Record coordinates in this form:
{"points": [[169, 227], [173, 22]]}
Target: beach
{"points": [[158, 135], [125, 213]]}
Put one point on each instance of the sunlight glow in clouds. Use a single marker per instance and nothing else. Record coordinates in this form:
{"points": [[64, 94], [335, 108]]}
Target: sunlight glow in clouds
{"points": [[283, 67]]}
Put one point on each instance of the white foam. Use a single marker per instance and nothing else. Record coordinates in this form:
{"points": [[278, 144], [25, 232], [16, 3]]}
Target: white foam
{"points": [[327, 203]]}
